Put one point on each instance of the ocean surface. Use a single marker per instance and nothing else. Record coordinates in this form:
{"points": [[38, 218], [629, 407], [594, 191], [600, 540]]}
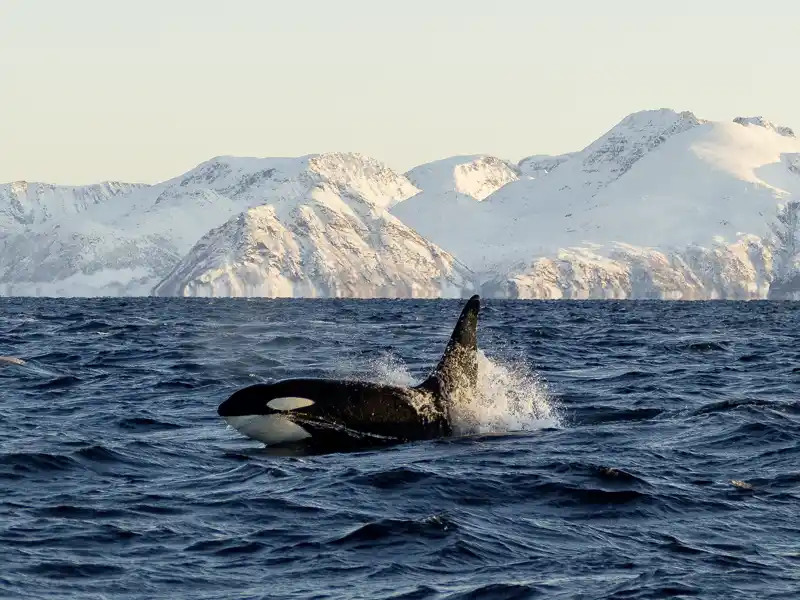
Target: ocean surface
{"points": [[616, 450]]}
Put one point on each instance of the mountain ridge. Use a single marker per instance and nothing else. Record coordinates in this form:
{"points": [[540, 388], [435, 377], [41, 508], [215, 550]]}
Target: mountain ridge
{"points": [[633, 204]]}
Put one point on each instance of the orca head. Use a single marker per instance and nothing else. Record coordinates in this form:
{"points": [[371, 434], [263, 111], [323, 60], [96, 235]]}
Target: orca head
{"points": [[263, 412], [261, 399]]}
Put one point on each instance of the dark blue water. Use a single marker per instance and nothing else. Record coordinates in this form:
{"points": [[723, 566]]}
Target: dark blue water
{"points": [[668, 465]]}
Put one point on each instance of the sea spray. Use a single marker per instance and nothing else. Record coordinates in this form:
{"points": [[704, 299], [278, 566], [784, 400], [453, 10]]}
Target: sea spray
{"points": [[511, 396]]}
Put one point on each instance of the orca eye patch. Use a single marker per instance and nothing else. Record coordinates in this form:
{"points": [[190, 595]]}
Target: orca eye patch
{"points": [[289, 403]]}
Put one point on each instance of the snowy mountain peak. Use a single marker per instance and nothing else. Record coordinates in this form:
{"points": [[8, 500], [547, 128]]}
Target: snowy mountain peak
{"points": [[659, 120], [474, 176], [613, 154], [18, 188], [364, 175], [236, 174], [636, 135], [258, 179], [581, 176], [24, 204], [322, 245], [762, 122], [644, 211], [539, 165]]}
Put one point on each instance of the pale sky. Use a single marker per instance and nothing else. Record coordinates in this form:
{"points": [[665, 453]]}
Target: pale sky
{"points": [[143, 90]]}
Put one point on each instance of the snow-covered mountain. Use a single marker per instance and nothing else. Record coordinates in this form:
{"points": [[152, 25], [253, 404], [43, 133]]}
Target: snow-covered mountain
{"points": [[738, 271], [89, 260], [327, 243], [49, 244], [220, 188], [128, 246], [762, 122], [664, 205], [659, 179], [473, 176], [539, 165], [452, 186], [24, 204]]}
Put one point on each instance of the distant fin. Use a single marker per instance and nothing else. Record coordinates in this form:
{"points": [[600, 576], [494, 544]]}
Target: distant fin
{"points": [[458, 368], [11, 360]]}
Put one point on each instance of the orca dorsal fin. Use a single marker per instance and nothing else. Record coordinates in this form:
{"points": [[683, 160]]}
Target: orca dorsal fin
{"points": [[458, 368]]}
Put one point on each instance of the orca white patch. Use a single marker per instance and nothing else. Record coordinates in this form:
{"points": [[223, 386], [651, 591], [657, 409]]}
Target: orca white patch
{"points": [[270, 429], [289, 403]]}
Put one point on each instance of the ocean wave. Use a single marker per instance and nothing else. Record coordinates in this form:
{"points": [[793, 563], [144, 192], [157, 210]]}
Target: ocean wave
{"points": [[637, 450]]}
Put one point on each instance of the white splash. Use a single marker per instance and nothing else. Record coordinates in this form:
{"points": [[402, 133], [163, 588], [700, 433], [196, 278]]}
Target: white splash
{"points": [[511, 397], [390, 370]]}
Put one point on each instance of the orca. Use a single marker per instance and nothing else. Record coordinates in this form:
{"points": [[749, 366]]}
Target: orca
{"points": [[332, 414]]}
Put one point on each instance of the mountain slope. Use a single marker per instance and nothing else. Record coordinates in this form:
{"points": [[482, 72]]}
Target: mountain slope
{"points": [[663, 205], [539, 165], [658, 179], [704, 180], [473, 176], [452, 187], [97, 261], [329, 243], [217, 189], [737, 271], [130, 244], [24, 205]]}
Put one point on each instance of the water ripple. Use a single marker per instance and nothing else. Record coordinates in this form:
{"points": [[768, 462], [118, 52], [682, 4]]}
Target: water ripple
{"points": [[673, 469]]}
